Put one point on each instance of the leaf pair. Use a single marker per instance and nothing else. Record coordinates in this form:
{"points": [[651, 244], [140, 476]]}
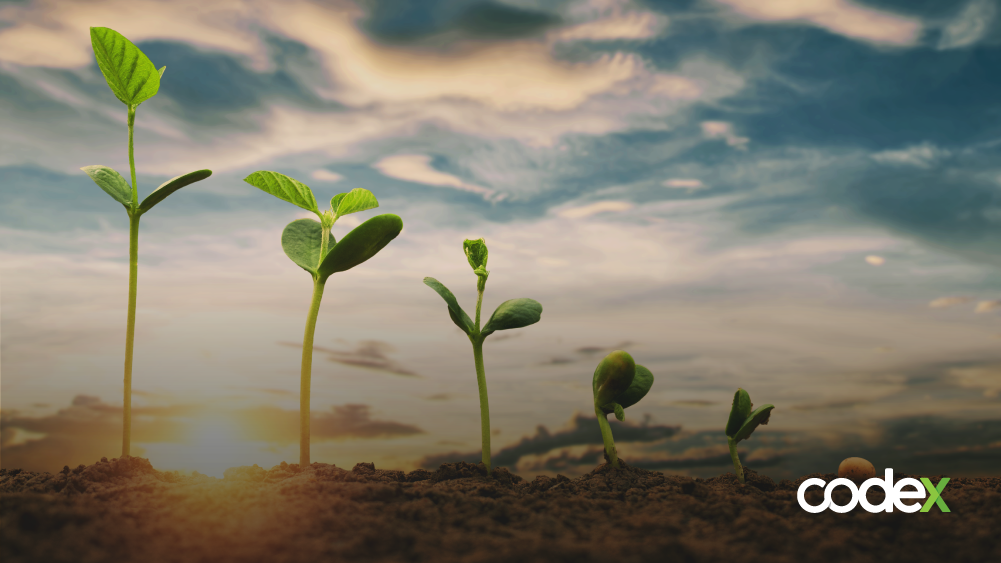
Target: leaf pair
{"points": [[742, 421], [619, 383], [118, 188], [302, 240], [297, 193], [513, 313]]}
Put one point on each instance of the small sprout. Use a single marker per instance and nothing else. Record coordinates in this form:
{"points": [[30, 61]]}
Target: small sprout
{"points": [[618, 383], [742, 423], [133, 79], [311, 246], [513, 313], [856, 469]]}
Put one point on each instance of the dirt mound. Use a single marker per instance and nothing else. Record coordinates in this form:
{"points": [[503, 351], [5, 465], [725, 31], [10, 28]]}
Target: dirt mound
{"points": [[125, 510]]}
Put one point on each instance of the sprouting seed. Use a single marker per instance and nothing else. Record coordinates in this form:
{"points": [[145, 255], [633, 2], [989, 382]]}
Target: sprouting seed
{"points": [[513, 313], [742, 423], [311, 246], [133, 79], [618, 383]]}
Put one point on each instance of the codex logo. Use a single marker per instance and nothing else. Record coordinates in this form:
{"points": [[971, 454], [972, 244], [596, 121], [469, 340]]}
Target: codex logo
{"points": [[894, 494]]}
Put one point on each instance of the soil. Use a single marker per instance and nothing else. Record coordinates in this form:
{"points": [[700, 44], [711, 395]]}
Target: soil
{"points": [[125, 510]]}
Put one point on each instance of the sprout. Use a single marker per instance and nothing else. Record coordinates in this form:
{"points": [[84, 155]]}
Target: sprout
{"points": [[513, 313], [133, 79], [742, 423], [618, 383], [310, 245]]}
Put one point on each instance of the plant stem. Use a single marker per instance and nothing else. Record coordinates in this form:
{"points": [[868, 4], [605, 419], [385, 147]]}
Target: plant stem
{"points": [[307, 368], [481, 381], [738, 469], [606, 436], [130, 331]]}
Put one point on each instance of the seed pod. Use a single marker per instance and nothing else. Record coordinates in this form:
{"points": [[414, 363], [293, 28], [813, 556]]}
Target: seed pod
{"points": [[614, 375]]}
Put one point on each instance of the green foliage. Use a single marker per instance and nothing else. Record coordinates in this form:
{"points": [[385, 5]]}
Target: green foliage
{"points": [[742, 421], [111, 182], [356, 200], [362, 243], [171, 186], [301, 243], [476, 253], [285, 188], [129, 73], [513, 313], [455, 312], [618, 381]]}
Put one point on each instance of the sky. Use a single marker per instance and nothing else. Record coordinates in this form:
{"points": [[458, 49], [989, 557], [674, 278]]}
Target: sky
{"points": [[799, 198]]}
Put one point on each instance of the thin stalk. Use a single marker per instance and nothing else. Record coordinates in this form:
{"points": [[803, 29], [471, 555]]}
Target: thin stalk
{"points": [[306, 373], [606, 436], [481, 381], [739, 469], [130, 330]]}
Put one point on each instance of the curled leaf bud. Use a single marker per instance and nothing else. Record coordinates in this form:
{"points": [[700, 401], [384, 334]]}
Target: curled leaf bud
{"points": [[614, 375], [476, 253]]}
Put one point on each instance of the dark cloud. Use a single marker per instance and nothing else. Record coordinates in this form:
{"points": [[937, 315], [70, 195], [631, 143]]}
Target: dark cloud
{"points": [[369, 354], [439, 22], [355, 421], [694, 403], [583, 431], [84, 433]]}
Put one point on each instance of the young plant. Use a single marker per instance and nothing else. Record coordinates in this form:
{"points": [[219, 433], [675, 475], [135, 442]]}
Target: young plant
{"points": [[618, 383], [133, 79], [311, 246], [741, 423], [513, 313]]}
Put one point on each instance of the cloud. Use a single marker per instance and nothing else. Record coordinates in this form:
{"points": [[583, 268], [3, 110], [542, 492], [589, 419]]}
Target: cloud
{"points": [[417, 168], [690, 184], [723, 130], [987, 378], [369, 354], [842, 17], [987, 306], [615, 24], [326, 176], [969, 26], [924, 155], [875, 260], [583, 431], [355, 422], [594, 208], [943, 302]]}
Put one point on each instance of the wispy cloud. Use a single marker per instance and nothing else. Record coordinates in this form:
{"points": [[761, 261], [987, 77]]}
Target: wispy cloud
{"points": [[723, 130], [326, 176], [417, 168], [987, 306], [943, 302], [924, 155], [593, 209], [843, 17], [369, 354], [875, 260], [969, 26], [690, 184]]}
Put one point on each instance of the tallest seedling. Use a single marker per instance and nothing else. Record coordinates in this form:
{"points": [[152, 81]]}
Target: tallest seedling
{"points": [[133, 79], [311, 246]]}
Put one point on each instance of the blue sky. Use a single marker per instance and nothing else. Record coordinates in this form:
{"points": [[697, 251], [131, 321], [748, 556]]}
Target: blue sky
{"points": [[799, 198]]}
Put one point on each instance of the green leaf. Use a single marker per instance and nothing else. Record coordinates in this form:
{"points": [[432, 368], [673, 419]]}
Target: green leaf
{"points": [[739, 411], [513, 313], [620, 413], [358, 199], [362, 243], [759, 416], [638, 389], [301, 242], [163, 68], [455, 312], [129, 73], [283, 187], [476, 252], [171, 186], [111, 182], [614, 375]]}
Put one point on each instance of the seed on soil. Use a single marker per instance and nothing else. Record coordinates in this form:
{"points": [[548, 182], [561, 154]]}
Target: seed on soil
{"points": [[856, 469]]}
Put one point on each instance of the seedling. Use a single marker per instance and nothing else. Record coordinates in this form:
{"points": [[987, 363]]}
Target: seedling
{"points": [[618, 383], [133, 79], [311, 246], [741, 423], [513, 313]]}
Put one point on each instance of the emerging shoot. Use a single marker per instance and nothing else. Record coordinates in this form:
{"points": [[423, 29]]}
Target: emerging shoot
{"points": [[741, 423], [618, 383], [133, 79], [513, 313], [311, 246]]}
